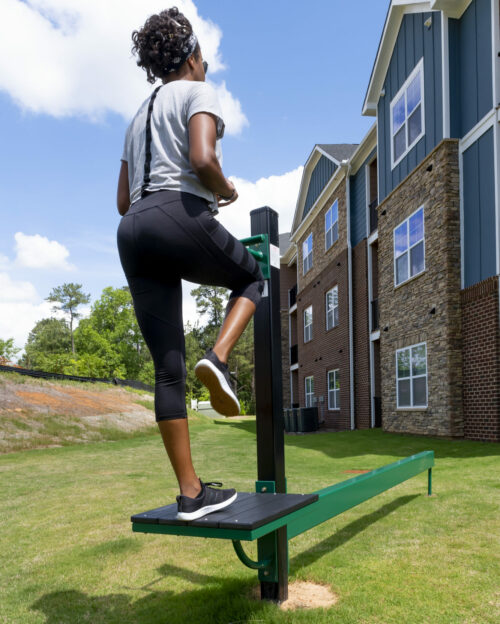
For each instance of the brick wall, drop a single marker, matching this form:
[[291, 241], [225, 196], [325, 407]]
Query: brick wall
[[327, 350], [405, 310], [321, 258], [481, 360]]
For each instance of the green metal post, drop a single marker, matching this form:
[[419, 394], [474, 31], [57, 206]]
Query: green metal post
[[429, 482]]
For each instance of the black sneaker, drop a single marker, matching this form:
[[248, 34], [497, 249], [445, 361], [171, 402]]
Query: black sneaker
[[214, 375], [207, 501]]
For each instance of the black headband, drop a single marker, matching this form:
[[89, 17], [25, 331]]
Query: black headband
[[185, 52]]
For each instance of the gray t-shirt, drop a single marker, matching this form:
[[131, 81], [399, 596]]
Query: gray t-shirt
[[173, 107]]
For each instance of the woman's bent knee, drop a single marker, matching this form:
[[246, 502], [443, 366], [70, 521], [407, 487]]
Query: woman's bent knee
[[252, 291]]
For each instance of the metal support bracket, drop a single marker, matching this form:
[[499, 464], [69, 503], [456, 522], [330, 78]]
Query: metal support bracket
[[264, 564]]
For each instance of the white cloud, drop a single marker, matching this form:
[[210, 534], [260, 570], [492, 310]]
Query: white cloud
[[278, 192], [75, 57], [4, 262], [15, 291], [38, 252]]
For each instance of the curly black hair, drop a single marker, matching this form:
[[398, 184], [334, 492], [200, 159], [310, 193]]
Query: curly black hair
[[160, 40]]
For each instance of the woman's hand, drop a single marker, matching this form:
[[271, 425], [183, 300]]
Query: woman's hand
[[225, 201]]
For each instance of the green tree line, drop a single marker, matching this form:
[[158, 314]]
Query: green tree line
[[108, 343]]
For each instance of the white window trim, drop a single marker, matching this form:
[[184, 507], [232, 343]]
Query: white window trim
[[410, 277], [326, 307], [309, 325], [332, 409], [418, 67], [333, 223], [310, 254], [411, 377], [311, 394]]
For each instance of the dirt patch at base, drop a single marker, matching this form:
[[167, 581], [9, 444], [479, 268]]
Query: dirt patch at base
[[305, 595]]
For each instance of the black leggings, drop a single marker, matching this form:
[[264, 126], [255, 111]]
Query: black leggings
[[166, 236]]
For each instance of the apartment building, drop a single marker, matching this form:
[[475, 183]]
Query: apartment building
[[390, 274]]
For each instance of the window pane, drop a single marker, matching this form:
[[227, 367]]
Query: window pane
[[414, 125], [404, 363], [312, 385], [335, 211], [329, 300], [331, 381], [335, 232], [400, 239], [336, 316], [398, 114], [335, 292], [418, 359], [404, 393], [328, 219], [402, 268], [417, 258], [419, 391], [310, 242], [329, 239], [413, 94], [399, 143], [416, 223], [337, 380]]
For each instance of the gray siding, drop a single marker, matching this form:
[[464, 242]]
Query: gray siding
[[319, 177], [414, 41], [358, 202], [471, 86], [479, 210]]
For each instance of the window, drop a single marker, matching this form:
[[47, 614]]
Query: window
[[307, 253], [309, 391], [407, 114], [332, 224], [333, 389], [332, 308], [411, 376], [308, 323], [409, 247]]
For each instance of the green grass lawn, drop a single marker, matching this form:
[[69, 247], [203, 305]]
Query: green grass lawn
[[69, 555]]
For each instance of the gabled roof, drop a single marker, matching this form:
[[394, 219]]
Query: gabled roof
[[338, 151], [393, 19]]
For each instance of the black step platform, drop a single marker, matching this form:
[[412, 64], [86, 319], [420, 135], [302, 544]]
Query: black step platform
[[250, 511]]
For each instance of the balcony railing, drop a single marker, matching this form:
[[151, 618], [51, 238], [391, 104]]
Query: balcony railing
[[294, 355], [292, 296], [373, 215], [375, 314]]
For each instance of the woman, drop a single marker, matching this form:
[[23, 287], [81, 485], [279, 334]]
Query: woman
[[170, 185]]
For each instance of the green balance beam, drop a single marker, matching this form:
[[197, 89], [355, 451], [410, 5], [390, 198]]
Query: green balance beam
[[316, 508]]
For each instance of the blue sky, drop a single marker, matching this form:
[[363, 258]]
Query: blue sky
[[299, 72]]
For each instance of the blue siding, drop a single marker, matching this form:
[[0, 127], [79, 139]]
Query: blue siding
[[358, 202], [479, 210], [471, 86], [319, 177], [414, 41]]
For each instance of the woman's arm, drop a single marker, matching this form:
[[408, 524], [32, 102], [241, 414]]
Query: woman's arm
[[123, 192], [202, 157]]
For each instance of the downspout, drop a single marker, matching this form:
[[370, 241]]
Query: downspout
[[346, 163]]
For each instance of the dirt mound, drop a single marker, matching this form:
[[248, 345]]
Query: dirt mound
[[40, 412]]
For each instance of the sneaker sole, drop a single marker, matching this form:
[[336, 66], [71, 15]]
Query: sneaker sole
[[222, 398], [203, 511]]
